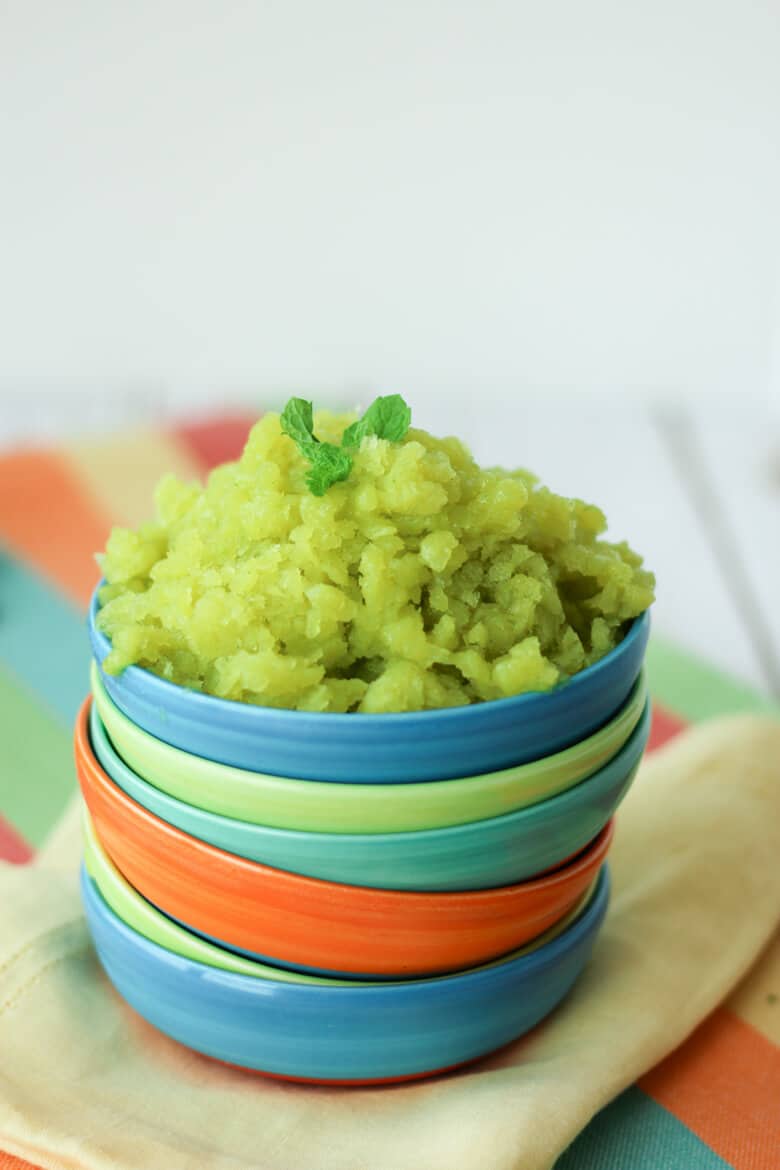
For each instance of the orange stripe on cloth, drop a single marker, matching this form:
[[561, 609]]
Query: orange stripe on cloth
[[50, 521], [9, 1162], [724, 1085]]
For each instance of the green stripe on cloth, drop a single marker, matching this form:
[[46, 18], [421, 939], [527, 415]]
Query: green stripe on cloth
[[633, 1133], [38, 775], [691, 688], [43, 639]]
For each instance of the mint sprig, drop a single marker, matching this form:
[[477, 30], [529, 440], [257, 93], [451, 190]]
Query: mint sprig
[[298, 422], [388, 417], [329, 465]]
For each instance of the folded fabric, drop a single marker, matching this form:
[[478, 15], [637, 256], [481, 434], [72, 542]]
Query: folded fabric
[[696, 894]]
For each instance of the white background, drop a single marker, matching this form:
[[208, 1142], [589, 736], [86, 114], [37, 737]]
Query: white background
[[542, 222], [494, 198]]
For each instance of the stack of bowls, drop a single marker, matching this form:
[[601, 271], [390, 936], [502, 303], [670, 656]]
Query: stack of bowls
[[351, 898]]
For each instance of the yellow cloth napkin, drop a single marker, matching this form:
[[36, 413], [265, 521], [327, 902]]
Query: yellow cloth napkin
[[85, 1083]]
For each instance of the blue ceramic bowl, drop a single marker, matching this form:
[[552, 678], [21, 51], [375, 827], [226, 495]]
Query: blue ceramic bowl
[[381, 749], [496, 852], [350, 1034]]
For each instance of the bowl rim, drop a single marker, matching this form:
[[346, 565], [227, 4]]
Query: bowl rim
[[94, 852], [385, 900], [230, 709], [405, 789], [589, 920], [453, 832]]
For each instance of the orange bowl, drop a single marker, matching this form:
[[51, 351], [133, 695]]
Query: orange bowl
[[310, 923]]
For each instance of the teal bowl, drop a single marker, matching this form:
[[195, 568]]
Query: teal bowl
[[500, 851]]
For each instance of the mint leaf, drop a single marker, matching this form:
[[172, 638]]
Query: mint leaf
[[329, 465], [388, 417], [297, 421]]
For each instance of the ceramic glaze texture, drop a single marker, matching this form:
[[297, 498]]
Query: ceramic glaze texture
[[320, 807], [386, 1032], [315, 923], [141, 916], [496, 852]]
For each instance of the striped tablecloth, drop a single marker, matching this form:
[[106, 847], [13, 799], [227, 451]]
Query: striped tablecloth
[[714, 1103]]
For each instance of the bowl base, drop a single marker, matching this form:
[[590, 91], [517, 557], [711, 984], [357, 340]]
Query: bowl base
[[337, 1082]]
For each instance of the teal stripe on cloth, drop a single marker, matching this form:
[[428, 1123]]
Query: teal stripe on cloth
[[634, 1133], [43, 639]]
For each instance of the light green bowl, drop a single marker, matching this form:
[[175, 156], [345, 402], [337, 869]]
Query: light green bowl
[[281, 802], [141, 916]]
